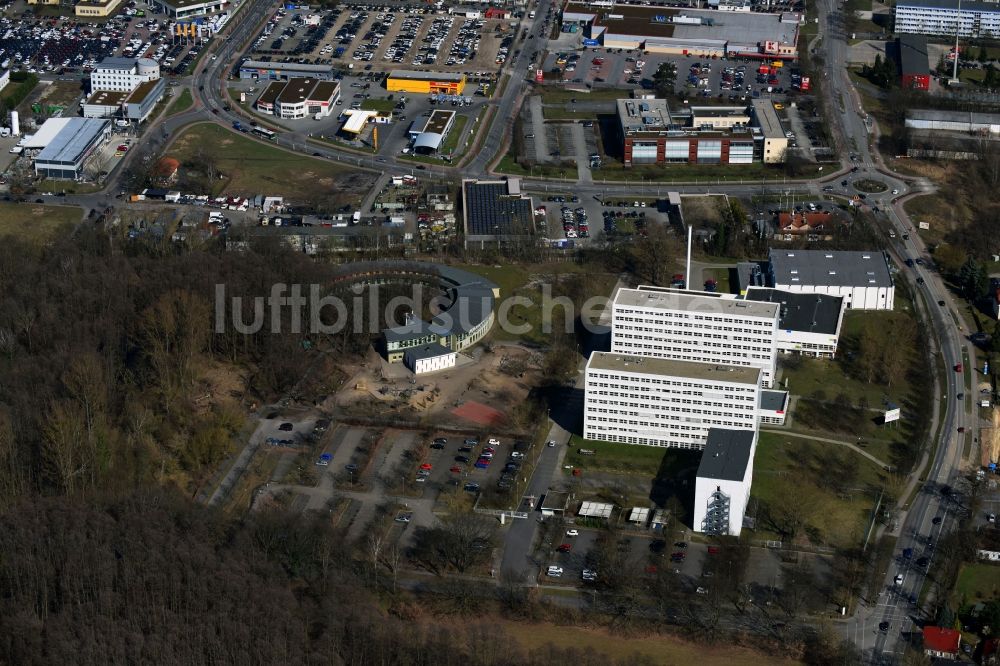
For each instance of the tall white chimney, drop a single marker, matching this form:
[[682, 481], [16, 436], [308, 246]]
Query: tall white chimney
[[687, 278]]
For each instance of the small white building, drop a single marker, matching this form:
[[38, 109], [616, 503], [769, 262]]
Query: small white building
[[722, 486], [862, 279], [429, 358], [773, 407], [663, 402]]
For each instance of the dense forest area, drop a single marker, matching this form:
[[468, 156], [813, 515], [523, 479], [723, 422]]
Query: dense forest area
[[103, 349], [153, 578]]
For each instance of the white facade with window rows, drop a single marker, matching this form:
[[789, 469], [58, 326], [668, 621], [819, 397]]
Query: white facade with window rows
[[660, 402], [680, 325]]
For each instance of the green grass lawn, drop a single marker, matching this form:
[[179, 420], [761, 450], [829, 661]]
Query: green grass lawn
[[609, 457], [67, 186], [508, 165], [747, 173], [561, 96], [508, 278], [451, 142], [380, 104], [829, 376], [559, 113], [513, 281], [182, 103], [721, 276], [625, 225], [36, 222], [978, 582], [827, 491], [253, 167]]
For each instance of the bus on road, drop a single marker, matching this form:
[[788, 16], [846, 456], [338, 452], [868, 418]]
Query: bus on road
[[264, 133]]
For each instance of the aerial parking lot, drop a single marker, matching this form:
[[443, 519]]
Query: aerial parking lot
[[71, 45], [381, 38]]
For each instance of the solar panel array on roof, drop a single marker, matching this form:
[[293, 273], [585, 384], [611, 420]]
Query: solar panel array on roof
[[491, 211]]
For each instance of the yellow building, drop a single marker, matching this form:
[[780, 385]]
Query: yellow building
[[44, 2], [402, 80], [98, 8]]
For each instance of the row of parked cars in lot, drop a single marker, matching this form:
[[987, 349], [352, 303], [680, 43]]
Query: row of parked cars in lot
[[575, 222]]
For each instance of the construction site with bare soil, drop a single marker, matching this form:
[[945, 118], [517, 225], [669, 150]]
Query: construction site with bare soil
[[488, 388]]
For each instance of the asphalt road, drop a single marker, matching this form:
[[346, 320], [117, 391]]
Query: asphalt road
[[893, 603]]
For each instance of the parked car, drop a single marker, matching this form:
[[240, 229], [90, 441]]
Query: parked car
[[554, 571], [324, 460], [285, 427]]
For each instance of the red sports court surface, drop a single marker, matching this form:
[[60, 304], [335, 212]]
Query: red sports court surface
[[479, 413]]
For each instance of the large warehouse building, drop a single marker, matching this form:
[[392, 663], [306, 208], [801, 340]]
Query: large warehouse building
[[943, 17], [404, 80], [970, 122], [690, 326], [69, 146], [722, 484], [664, 402], [862, 279], [650, 134], [698, 33], [497, 212]]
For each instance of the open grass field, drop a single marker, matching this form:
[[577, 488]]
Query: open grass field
[[36, 222], [703, 211], [251, 167], [183, 102], [666, 650], [978, 582], [832, 489], [60, 93], [820, 374]]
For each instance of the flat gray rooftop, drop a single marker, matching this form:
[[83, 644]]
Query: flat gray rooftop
[[829, 268], [773, 401], [726, 455], [808, 313], [693, 302], [72, 141], [432, 350], [650, 365]]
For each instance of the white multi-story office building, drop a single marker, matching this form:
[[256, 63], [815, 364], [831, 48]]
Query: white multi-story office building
[[123, 74], [722, 486], [942, 17], [703, 328], [664, 402]]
